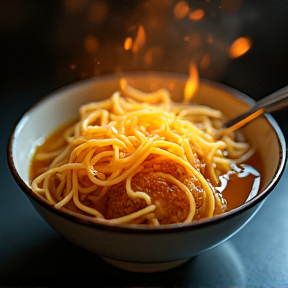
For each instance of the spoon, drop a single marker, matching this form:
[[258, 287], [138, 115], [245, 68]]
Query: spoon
[[274, 101]]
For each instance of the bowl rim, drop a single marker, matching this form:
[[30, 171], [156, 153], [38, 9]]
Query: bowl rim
[[136, 228]]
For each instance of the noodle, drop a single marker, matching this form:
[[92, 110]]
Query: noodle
[[138, 157]]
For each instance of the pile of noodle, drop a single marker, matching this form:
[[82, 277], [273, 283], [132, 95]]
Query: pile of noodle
[[113, 139]]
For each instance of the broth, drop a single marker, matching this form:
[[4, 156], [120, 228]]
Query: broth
[[235, 188]]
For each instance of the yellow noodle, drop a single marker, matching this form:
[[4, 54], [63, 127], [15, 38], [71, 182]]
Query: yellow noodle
[[82, 207], [48, 155], [60, 187], [136, 194], [152, 97], [188, 193], [113, 138], [209, 193], [210, 163]]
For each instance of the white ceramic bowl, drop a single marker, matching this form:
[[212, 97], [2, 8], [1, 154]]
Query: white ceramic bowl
[[139, 248]]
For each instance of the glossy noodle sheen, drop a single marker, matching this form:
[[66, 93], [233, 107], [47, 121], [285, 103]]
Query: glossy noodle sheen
[[138, 157]]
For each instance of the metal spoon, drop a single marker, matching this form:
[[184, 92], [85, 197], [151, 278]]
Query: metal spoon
[[275, 101]]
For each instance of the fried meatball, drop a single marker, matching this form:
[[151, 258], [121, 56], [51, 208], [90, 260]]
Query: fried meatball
[[172, 204]]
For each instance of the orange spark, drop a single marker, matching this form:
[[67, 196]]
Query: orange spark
[[192, 83], [140, 39], [196, 15], [128, 43], [181, 9], [239, 47]]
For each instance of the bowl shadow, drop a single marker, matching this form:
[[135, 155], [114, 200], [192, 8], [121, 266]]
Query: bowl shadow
[[54, 261]]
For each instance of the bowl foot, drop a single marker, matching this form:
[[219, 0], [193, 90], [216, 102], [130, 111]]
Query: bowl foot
[[145, 267]]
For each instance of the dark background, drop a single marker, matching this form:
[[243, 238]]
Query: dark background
[[43, 48]]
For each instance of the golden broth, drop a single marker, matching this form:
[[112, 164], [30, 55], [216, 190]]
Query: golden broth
[[53, 141], [236, 191]]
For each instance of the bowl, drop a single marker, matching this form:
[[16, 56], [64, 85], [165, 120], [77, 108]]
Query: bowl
[[134, 247]]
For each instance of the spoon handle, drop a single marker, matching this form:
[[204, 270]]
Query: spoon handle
[[275, 101]]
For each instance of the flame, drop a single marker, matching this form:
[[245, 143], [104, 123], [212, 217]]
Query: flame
[[128, 43], [140, 39], [181, 9], [196, 15], [192, 83], [123, 83], [239, 47], [91, 44]]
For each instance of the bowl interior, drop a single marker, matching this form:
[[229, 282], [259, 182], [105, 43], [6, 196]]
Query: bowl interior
[[61, 106]]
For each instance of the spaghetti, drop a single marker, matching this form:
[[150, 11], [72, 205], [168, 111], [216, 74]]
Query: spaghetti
[[138, 157]]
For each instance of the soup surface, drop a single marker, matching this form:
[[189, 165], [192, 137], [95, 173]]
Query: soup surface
[[236, 188], [138, 157]]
